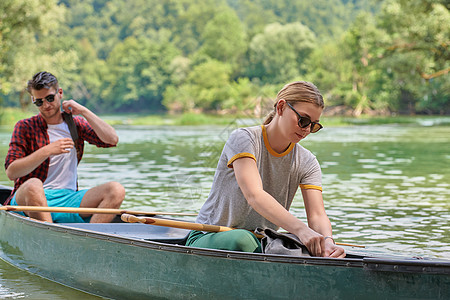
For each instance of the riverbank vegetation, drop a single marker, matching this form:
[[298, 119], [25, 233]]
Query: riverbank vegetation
[[222, 57], [9, 117]]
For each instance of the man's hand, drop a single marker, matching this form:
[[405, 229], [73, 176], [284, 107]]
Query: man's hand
[[104, 131], [73, 107], [60, 146]]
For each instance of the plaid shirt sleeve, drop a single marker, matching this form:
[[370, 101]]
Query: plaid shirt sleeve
[[17, 145], [28, 136]]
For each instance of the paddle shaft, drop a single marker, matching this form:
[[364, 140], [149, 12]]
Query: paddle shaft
[[351, 245], [172, 223], [86, 210], [188, 225]]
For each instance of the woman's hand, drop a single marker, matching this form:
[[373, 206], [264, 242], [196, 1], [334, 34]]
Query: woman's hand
[[314, 242], [331, 250], [317, 245]]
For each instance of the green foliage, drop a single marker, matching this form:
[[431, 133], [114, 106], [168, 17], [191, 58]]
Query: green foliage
[[277, 55], [227, 55], [24, 27], [10, 116], [205, 88], [417, 46], [224, 38], [139, 73], [382, 62]]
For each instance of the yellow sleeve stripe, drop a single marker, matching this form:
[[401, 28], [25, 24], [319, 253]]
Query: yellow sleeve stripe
[[239, 155], [310, 187]]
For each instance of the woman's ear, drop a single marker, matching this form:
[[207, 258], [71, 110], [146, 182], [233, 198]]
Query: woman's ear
[[280, 106]]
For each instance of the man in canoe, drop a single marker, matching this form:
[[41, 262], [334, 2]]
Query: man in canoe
[[45, 150], [259, 172]]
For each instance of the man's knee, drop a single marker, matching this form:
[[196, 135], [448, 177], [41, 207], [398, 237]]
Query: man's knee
[[32, 187], [116, 192], [31, 192]]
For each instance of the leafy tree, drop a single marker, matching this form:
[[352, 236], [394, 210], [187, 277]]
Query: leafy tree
[[206, 88], [139, 73], [128, 55], [417, 51], [278, 54], [224, 38], [25, 26]]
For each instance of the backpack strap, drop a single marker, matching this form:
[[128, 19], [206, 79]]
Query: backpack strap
[[72, 127]]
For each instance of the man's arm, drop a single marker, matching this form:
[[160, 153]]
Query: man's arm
[[105, 132], [25, 165]]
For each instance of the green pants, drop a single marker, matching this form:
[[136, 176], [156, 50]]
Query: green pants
[[235, 240]]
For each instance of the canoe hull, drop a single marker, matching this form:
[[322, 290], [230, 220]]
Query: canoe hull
[[128, 268]]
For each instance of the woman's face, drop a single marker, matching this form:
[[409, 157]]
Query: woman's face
[[290, 120]]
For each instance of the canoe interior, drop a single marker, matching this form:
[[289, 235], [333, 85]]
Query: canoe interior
[[5, 191], [137, 231]]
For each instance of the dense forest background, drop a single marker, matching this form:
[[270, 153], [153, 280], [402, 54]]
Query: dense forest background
[[228, 56]]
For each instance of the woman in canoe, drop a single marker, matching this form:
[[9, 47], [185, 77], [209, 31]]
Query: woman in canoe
[[259, 172]]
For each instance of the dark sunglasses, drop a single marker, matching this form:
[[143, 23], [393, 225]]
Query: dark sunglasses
[[39, 101], [304, 122]]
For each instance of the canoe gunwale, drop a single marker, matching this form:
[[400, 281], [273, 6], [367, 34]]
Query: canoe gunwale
[[407, 266], [372, 264]]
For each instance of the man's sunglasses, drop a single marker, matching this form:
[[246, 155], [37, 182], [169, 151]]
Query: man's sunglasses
[[40, 101], [304, 122]]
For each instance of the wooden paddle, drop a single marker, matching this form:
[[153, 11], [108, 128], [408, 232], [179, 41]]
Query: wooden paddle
[[85, 210], [189, 225], [172, 223]]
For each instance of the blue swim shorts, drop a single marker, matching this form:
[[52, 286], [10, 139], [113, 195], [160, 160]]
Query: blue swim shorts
[[62, 198]]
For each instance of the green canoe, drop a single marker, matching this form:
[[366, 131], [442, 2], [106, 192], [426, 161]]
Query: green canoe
[[138, 261]]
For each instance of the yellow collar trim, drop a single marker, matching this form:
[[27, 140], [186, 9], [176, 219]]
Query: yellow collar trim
[[271, 151]]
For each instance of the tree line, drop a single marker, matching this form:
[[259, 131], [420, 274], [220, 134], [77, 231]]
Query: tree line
[[365, 56]]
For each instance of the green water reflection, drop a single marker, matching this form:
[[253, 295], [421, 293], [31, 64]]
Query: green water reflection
[[386, 187]]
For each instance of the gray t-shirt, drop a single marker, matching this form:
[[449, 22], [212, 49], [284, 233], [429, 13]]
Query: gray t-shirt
[[281, 175]]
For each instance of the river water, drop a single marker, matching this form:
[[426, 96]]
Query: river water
[[386, 187]]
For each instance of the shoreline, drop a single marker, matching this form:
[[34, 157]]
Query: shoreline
[[10, 116]]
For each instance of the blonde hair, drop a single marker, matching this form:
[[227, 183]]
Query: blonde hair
[[298, 91]]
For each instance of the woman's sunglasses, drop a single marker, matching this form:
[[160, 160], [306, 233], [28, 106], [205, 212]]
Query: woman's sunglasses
[[39, 101], [304, 122]]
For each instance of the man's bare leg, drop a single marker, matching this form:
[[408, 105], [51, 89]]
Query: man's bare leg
[[31, 193], [107, 195]]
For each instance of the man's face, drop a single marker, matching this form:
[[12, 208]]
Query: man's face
[[48, 102]]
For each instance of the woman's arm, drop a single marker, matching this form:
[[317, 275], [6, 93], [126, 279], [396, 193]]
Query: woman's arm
[[319, 221], [249, 181]]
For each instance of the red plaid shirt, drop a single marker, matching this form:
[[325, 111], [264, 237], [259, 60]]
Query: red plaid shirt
[[31, 134]]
